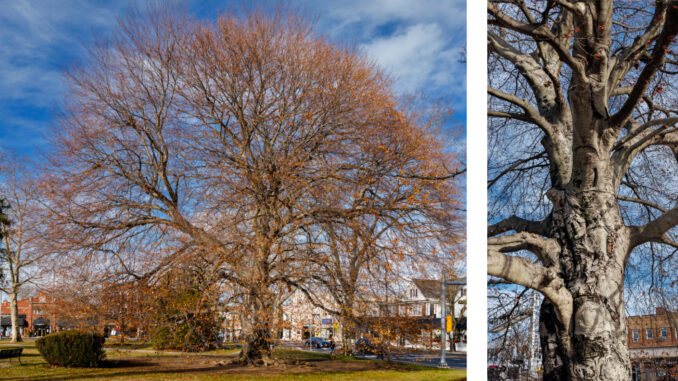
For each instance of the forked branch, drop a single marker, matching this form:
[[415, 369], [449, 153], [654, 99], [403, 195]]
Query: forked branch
[[655, 230], [546, 249], [523, 272]]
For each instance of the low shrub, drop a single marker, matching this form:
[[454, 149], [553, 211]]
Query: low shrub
[[162, 338], [72, 349], [191, 335]]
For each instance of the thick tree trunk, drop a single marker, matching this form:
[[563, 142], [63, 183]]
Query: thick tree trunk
[[592, 345], [348, 324], [14, 310], [256, 349], [594, 241], [257, 327], [598, 348]]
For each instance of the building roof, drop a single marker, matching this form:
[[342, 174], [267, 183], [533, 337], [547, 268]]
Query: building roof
[[430, 288], [660, 315]]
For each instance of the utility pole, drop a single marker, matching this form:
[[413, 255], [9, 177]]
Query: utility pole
[[443, 325], [443, 318], [533, 338]]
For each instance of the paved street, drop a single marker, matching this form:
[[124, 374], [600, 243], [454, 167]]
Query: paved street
[[454, 359]]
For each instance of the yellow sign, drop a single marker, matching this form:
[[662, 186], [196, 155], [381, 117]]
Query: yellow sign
[[448, 322]]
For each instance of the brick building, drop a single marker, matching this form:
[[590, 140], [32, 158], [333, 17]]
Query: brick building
[[34, 316], [653, 345]]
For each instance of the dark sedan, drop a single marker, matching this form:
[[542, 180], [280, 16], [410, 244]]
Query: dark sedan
[[317, 342]]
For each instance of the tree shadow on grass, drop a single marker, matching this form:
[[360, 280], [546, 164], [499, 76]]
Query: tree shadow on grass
[[132, 368], [127, 374]]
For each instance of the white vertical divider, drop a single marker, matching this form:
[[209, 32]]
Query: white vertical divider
[[476, 133]]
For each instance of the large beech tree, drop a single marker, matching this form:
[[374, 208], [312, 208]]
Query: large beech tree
[[584, 93], [230, 140]]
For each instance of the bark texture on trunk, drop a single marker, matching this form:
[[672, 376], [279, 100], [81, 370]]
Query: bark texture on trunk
[[14, 311], [257, 328], [256, 349], [594, 242], [591, 345], [554, 359]]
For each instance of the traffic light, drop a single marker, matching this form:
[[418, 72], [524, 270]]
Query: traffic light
[[448, 323]]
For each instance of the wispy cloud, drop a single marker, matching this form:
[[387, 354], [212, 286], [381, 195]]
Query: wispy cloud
[[420, 57], [418, 42], [39, 38]]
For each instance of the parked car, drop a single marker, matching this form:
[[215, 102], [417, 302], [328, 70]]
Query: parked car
[[364, 346], [317, 342]]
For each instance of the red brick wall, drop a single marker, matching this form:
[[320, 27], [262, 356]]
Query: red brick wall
[[32, 308], [655, 323]]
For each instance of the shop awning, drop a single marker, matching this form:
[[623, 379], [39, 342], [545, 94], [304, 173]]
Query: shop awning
[[41, 322], [6, 321]]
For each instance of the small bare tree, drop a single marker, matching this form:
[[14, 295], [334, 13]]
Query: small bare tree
[[20, 231]]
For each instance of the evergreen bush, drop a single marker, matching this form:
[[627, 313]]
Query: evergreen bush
[[72, 349]]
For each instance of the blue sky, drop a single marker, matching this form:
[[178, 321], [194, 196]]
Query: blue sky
[[418, 42]]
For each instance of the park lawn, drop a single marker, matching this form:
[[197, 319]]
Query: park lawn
[[115, 344], [136, 365]]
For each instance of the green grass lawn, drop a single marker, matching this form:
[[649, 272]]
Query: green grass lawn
[[35, 369], [127, 345]]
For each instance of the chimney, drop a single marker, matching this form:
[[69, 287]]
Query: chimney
[[661, 311]]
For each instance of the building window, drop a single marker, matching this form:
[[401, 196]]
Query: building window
[[648, 334], [636, 335], [432, 309], [664, 333]]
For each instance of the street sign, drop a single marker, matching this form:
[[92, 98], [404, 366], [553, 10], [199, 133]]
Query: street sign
[[327, 321], [448, 322]]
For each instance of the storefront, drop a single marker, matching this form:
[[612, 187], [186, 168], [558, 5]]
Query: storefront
[[6, 325], [41, 327], [327, 328]]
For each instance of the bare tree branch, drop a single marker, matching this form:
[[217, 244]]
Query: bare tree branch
[[517, 224], [546, 249], [522, 271], [659, 51], [539, 32], [655, 230]]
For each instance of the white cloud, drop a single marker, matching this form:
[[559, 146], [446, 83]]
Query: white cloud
[[418, 42], [36, 36], [413, 56], [449, 14]]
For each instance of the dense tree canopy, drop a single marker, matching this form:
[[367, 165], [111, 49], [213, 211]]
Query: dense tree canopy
[[236, 143]]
